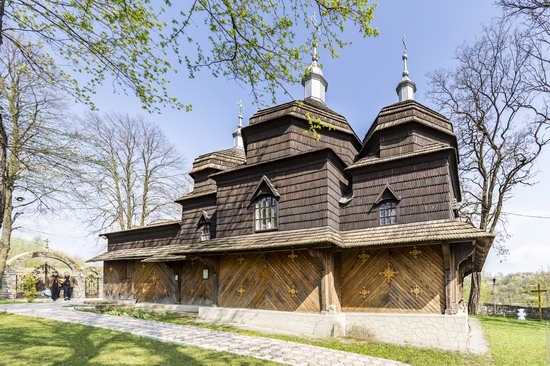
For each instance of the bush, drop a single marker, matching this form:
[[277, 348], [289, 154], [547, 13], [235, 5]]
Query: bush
[[29, 288]]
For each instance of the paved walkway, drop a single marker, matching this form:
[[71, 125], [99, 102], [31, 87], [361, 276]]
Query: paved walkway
[[263, 348]]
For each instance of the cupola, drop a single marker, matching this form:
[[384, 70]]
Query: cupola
[[406, 87]]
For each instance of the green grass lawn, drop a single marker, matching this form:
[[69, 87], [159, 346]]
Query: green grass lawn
[[32, 341], [12, 301], [516, 342]]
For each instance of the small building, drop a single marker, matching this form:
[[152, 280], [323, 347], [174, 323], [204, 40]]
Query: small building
[[324, 237]]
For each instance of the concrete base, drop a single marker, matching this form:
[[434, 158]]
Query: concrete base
[[447, 332]]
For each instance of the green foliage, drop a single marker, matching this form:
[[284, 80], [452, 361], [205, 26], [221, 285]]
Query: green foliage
[[140, 45], [32, 341], [29, 288], [513, 288], [316, 124]]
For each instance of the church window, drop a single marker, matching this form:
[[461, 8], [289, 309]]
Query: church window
[[388, 213], [205, 232], [265, 213]]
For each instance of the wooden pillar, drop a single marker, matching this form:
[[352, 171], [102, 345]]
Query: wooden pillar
[[448, 264], [329, 300]]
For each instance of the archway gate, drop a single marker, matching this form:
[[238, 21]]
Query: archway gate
[[10, 278]]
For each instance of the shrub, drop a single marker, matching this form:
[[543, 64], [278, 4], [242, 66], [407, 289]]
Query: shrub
[[29, 288]]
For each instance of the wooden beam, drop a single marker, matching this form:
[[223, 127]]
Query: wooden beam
[[330, 302], [447, 264]]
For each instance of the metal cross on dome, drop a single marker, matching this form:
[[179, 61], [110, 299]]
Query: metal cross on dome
[[404, 40], [241, 109]]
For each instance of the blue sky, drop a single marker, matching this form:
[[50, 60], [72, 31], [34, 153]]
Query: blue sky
[[361, 82]]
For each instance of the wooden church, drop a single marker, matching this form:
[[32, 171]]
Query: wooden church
[[286, 222]]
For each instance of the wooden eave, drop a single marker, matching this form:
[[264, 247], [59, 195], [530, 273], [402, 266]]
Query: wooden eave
[[152, 227], [192, 195]]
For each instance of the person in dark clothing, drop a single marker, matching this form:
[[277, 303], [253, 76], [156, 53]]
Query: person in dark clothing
[[54, 288], [66, 286]]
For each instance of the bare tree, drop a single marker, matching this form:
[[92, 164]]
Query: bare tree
[[131, 172], [39, 157], [501, 123], [534, 18]]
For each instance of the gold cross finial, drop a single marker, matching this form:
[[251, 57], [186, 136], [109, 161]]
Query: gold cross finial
[[363, 256], [364, 292], [292, 256], [241, 291], [292, 291], [415, 252], [241, 259], [388, 273], [416, 291]]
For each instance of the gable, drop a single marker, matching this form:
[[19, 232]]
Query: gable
[[204, 219], [386, 194], [264, 188]]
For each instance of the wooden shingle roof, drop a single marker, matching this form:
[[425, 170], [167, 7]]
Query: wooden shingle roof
[[418, 233], [374, 160]]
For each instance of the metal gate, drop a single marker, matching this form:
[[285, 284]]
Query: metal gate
[[91, 285]]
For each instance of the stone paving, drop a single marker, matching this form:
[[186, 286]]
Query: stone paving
[[262, 348]]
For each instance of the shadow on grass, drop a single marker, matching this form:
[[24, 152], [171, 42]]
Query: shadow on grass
[[33, 341]]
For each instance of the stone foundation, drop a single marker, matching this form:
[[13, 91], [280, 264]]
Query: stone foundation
[[447, 332]]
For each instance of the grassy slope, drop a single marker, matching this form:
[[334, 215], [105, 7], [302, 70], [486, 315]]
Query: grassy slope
[[515, 342], [32, 341]]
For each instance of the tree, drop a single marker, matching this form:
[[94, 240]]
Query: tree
[[130, 172], [501, 123], [534, 16], [140, 45], [39, 157]]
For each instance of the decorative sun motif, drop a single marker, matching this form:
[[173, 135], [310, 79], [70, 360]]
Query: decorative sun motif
[[292, 291], [364, 292], [415, 252], [292, 256], [363, 256], [241, 291], [388, 273], [416, 291]]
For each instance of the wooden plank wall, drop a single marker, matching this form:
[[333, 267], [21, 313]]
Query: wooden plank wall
[[155, 282], [117, 280], [194, 289], [423, 185], [191, 212], [301, 182], [287, 137], [150, 237], [271, 281], [360, 272]]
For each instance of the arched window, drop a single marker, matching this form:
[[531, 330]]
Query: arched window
[[265, 213], [388, 212]]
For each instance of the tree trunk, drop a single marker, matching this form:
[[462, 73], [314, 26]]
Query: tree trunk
[[473, 301], [5, 238]]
